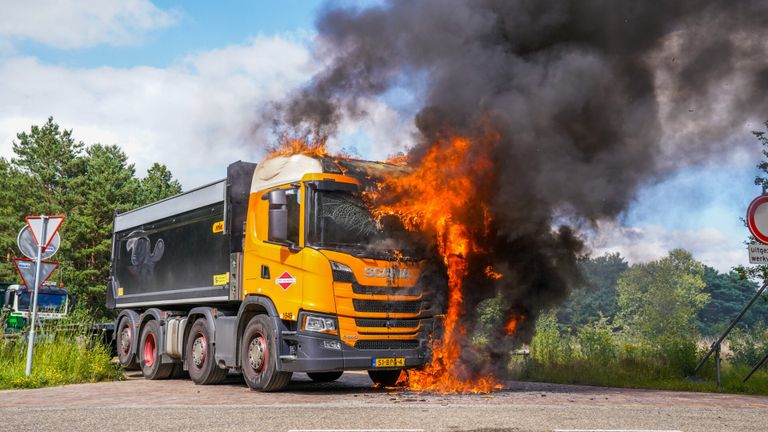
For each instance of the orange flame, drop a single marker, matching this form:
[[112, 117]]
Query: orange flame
[[513, 323], [398, 159], [491, 274], [289, 145], [439, 196]]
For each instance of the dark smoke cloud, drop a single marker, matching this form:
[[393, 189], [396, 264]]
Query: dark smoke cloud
[[592, 99]]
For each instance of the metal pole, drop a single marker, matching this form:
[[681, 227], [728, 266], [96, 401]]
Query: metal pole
[[754, 369], [31, 342], [716, 345], [717, 365]]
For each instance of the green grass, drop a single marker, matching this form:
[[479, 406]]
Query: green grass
[[62, 358], [645, 375]]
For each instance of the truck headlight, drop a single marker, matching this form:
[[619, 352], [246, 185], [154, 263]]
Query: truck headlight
[[342, 272], [319, 324]]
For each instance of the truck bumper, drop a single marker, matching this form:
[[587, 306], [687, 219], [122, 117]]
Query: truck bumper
[[313, 356]]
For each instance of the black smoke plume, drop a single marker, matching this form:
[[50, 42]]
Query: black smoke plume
[[591, 100]]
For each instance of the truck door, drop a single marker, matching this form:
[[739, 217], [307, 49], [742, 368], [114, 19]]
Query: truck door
[[272, 269]]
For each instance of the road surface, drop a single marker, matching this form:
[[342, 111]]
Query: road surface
[[351, 404]]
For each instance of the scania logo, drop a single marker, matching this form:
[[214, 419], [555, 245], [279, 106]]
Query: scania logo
[[381, 272]]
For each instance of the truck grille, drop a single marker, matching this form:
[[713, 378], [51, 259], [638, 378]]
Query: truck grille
[[386, 344], [386, 306], [382, 290], [393, 323]]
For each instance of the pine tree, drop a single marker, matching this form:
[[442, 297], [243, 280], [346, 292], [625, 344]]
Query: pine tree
[[50, 174]]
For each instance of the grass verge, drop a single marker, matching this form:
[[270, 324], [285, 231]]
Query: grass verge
[[585, 372], [60, 357]]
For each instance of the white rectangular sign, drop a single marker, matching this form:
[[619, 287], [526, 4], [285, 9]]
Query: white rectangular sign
[[758, 254]]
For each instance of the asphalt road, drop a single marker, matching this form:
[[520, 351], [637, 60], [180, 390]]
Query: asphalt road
[[351, 404]]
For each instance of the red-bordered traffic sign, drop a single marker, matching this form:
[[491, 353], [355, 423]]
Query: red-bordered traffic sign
[[36, 226], [757, 218], [26, 268]]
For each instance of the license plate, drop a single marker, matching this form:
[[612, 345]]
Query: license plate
[[388, 362]]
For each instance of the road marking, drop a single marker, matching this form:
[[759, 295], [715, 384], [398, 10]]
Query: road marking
[[615, 430], [356, 430]]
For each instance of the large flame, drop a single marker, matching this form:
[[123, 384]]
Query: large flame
[[440, 196]]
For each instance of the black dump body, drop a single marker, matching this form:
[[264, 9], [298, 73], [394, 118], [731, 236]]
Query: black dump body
[[182, 251]]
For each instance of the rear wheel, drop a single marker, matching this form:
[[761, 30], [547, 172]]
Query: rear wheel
[[324, 376], [151, 367], [199, 354], [123, 341], [384, 378], [258, 357]]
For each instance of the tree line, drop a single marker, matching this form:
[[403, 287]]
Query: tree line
[[52, 173], [710, 299]]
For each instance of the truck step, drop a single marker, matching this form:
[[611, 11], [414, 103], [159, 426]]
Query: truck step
[[287, 358], [289, 335]]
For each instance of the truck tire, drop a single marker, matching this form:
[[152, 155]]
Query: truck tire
[[322, 377], [149, 347], [384, 378], [258, 357], [200, 358], [123, 341]]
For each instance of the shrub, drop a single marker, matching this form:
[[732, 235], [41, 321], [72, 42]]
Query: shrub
[[748, 348], [679, 355], [596, 342], [549, 346]]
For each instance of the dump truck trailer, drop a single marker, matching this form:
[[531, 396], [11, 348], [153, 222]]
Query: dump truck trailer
[[270, 271]]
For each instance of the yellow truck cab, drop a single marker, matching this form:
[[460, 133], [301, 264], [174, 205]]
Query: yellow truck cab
[[271, 271]]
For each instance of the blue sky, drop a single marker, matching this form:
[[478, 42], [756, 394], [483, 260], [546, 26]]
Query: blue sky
[[181, 83], [199, 26]]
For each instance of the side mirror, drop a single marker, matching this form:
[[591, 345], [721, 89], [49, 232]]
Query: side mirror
[[278, 216]]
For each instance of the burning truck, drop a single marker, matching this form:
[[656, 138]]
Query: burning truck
[[278, 268]]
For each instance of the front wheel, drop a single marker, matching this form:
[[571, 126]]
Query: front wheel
[[324, 376], [258, 357], [384, 378]]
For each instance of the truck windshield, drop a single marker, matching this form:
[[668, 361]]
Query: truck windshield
[[46, 302], [339, 219]]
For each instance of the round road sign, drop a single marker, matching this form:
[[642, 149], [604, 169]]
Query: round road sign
[[757, 218], [28, 244]]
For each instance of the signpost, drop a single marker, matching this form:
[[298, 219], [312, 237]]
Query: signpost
[[757, 222], [43, 230]]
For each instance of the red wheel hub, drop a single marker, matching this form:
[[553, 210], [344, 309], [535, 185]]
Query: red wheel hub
[[150, 350]]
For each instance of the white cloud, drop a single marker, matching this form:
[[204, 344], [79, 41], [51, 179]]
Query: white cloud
[[196, 116], [708, 245], [81, 23]]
